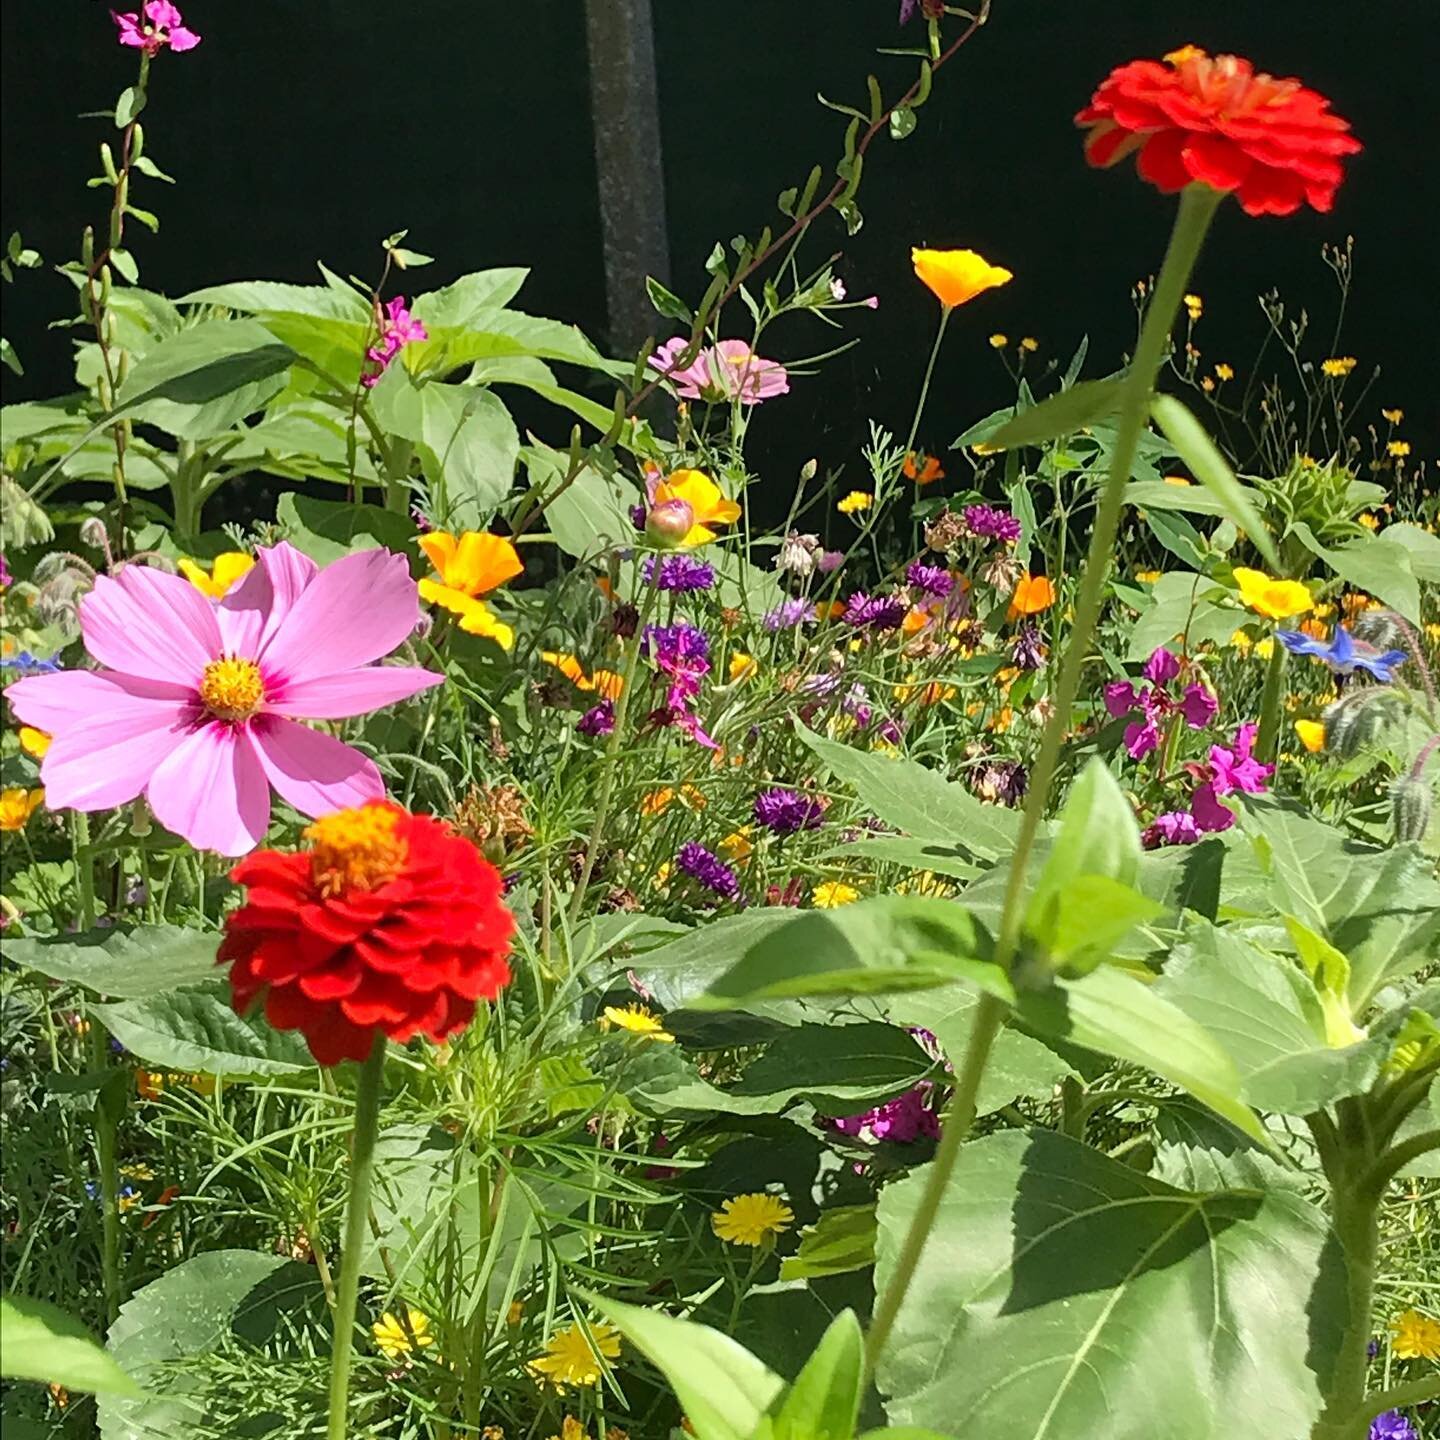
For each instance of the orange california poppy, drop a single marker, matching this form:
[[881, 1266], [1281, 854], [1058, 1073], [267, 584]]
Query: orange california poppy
[[922, 469], [1033, 594]]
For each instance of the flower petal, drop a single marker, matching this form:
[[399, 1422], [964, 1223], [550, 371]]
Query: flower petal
[[212, 790], [252, 611], [147, 623], [352, 692], [69, 699], [315, 772]]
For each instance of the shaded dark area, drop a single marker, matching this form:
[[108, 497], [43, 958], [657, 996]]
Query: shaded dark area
[[302, 132]]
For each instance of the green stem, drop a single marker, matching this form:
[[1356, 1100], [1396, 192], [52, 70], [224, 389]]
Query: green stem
[[925, 383], [357, 1218], [1268, 739], [107, 1157], [1197, 207], [1397, 1397], [1356, 1224]]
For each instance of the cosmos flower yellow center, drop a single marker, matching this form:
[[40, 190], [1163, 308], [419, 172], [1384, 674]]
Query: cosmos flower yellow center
[[232, 689], [355, 849]]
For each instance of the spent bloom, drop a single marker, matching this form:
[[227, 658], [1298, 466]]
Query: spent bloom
[[786, 811], [396, 327], [729, 370], [1344, 654], [198, 704], [798, 554], [751, 1219], [956, 276], [158, 25], [388, 924], [1191, 118]]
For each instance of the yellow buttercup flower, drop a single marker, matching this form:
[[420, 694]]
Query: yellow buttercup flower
[[17, 806], [1338, 365], [638, 1021], [751, 1219], [956, 276], [1224, 372], [737, 845], [1312, 734], [1393, 416], [33, 742], [832, 894], [1277, 599], [1369, 521], [1030, 343], [1399, 449], [573, 1355], [1414, 1336], [999, 341], [391, 1339], [708, 504], [225, 570], [470, 566], [742, 666], [1194, 306], [1147, 577], [855, 501]]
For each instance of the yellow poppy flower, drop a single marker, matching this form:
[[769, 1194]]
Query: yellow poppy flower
[[833, 893], [956, 276], [751, 1219], [570, 1356], [1398, 448], [638, 1021], [1312, 734], [1277, 599], [33, 742], [1393, 416], [470, 566], [17, 806], [1224, 372], [222, 574], [707, 503], [391, 1339]]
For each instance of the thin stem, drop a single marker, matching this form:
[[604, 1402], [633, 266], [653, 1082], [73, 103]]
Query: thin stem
[[1374, 1180], [1268, 739], [945, 311], [357, 1218], [1397, 1397]]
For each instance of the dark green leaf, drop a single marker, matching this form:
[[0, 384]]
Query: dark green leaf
[[129, 963]]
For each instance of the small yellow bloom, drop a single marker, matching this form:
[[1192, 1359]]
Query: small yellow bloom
[[17, 806], [1194, 306], [223, 573], [737, 845], [34, 742], [1207, 384], [1030, 343], [981, 448], [493, 1432], [1176, 480], [390, 1337], [656, 802], [707, 502], [1338, 365], [638, 1021], [1398, 448], [1369, 521], [1393, 416], [1177, 58], [572, 1429], [573, 1355], [1277, 599], [751, 1219], [516, 1313], [1224, 372], [1414, 1336], [742, 666], [855, 501], [956, 276], [932, 693], [1312, 735], [999, 341], [1265, 648], [1147, 577], [833, 893]]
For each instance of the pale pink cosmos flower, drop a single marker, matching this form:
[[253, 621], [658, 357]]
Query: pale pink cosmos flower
[[727, 371], [161, 26], [197, 703]]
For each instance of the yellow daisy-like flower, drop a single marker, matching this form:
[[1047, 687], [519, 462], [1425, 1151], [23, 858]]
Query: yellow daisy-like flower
[[1312, 735], [639, 1021], [1369, 521], [1338, 365], [1414, 1336], [1393, 416], [33, 742], [751, 1219], [855, 501], [999, 341], [737, 845], [1030, 343], [954, 277], [1194, 306], [1224, 372], [742, 666], [832, 894], [573, 1356], [470, 566], [224, 571], [708, 504], [17, 806], [1277, 599], [1240, 641], [391, 1339], [572, 1429], [1398, 448], [1147, 577]]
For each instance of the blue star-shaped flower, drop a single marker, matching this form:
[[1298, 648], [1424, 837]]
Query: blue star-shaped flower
[[1344, 654], [27, 664]]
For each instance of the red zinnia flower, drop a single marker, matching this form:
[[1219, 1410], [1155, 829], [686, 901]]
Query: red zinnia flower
[[1272, 142], [389, 923]]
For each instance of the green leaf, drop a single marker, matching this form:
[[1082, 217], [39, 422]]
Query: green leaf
[[824, 1402], [479, 293], [666, 302], [841, 1240], [39, 1341], [902, 122], [1190, 499], [1208, 466], [1068, 1296], [327, 529], [1061, 414], [129, 963], [722, 1388], [535, 375], [1182, 608], [1097, 835], [917, 800], [1196, 1150], [592, 514], [197, 1030], [275, 297], [129, 106], [910, 854], [1378, 566]]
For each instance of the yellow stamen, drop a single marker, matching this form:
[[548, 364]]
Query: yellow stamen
[[355, 849], [232, 689]]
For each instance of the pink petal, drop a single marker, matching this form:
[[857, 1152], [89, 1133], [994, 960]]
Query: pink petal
[[212, 790], [352, 692], [251, 613], [182, 39], [316, 773], [69, 699], [147, 623], [353, 612]]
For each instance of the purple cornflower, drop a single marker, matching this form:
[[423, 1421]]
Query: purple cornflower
[[27, 664], [786, 811], [1028, 652], [934, 580], [597, 721], [675, 648], [788, 614], [1392, 1425], [875, 612], [681, 573], [985, 522], [708, 870]]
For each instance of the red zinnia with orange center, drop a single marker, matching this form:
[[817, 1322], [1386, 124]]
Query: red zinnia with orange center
[[1273, 143], [389, 924]]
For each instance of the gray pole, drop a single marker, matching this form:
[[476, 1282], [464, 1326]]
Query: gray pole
[[625, 112]]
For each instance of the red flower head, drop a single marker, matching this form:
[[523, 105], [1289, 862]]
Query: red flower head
[[1274, 143], [390, 923]]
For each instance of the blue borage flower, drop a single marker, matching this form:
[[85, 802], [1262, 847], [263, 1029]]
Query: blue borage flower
[[27, 664], [1344, 654]]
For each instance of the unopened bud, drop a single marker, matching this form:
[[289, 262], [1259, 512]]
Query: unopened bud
[[1379, 628], [93, 533], [1355, 723], [668, 522], [1410, 807], [808, 470], [140, 825]]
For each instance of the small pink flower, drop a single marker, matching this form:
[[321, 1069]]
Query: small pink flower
[[197, 704], [1238, 769], [162, 25], [397, 328], [727, 371]]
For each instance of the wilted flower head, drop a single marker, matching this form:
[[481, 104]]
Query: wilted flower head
[[1028, 651], [798, 554]]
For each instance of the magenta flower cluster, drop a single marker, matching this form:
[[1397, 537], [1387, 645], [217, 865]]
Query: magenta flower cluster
[[903, 1120], [875, 612], [681, 653], [158, 26], [1196, 706], [1228, 771], [985, 522], [397, 327]]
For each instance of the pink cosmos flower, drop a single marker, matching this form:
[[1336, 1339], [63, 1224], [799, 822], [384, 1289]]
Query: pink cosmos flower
[[197, 702], [727, 371], [397, 327], [161, 26]]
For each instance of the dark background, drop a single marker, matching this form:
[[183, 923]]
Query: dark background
[[305, 131]]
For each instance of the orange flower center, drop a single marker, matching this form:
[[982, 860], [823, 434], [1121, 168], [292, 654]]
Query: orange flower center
[[232, 689], [355, 849]]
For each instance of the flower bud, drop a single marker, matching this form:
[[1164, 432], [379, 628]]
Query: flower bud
[[1410, 806], [668, 522], [808, 470], [94, 534], [1379, 628]]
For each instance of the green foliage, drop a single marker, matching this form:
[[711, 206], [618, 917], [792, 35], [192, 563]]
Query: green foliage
[[39, 1341]]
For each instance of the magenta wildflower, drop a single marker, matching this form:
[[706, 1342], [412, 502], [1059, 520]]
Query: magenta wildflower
[[786, 811], [598, 721], [1197, 706], [397, 328], [901, 1121], [727, 371], [1238, 769], [158, 25], [934, 580], [679, 573], [708, 870], [675, 648], [875, 612], [1175, 827], [985, 522]]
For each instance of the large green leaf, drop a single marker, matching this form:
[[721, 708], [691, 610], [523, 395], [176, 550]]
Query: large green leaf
[[840, 1241], [471, 296], [1064, 1295], [824, 1402], [327, 529], [1196, 1150], [39, 1341], [536, 375], [1372, 563], [591, 514], [1061, 414], [494, 331], [276, 297], [917, 800], [130, 963], [1182, 607], [197, 1030]]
